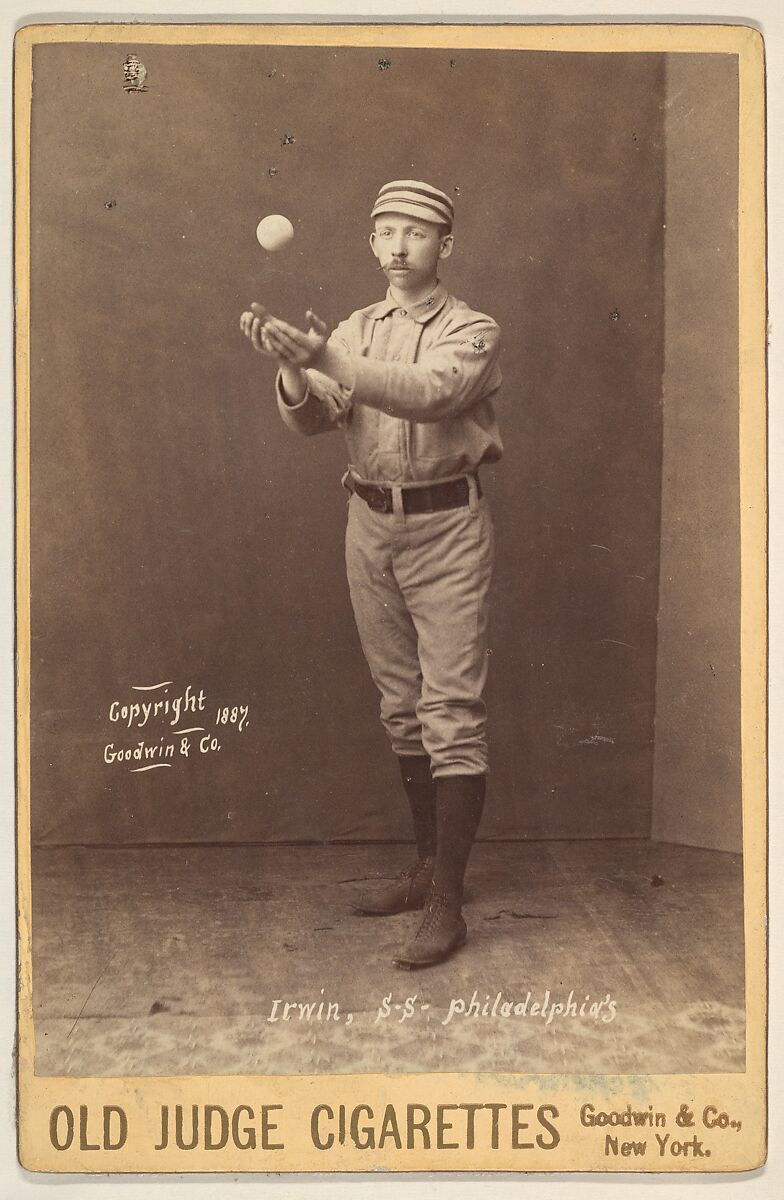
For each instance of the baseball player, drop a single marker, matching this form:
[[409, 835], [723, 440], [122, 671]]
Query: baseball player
[[411, 381]]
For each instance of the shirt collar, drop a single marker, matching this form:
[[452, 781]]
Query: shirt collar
[[421, 312]]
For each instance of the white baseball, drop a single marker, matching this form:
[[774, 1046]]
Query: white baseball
[[274, 232]]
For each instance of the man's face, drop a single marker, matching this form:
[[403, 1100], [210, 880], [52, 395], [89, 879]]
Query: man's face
[[409, 250]]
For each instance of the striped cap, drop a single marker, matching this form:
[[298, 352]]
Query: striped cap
[[415, 199]]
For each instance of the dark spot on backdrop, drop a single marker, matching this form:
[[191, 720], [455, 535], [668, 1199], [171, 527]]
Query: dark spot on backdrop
[[180, 532]]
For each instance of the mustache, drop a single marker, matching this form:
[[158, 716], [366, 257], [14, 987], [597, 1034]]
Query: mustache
[[394, 263]]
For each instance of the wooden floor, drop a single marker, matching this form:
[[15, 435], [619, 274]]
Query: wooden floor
[[159, 961]]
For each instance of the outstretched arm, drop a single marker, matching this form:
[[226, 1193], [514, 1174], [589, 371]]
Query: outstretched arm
[[253, 324], [308, 401], [460, 368]]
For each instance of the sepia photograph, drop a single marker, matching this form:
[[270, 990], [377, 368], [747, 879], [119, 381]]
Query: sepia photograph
[[415, 747]]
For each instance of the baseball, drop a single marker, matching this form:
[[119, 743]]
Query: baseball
[[274, 232]]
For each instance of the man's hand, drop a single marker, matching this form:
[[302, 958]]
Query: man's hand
[[255, 324], [292, 345], [252, 325], [295, 350]]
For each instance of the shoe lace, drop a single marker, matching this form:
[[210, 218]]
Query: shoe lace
[[422, 866], [433, 913]]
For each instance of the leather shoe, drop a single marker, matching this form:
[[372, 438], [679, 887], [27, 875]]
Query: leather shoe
[[408, 891], [442, 931]]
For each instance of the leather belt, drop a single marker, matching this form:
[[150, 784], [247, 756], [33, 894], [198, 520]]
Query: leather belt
[[419, 498]]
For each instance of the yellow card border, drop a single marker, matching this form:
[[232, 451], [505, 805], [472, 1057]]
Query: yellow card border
[[579, 1149]]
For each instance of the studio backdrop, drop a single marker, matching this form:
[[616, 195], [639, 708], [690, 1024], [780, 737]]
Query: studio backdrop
[[187, 549]]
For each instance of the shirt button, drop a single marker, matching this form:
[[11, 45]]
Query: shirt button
[[404, 312]]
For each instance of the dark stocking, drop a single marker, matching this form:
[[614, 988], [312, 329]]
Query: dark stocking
[[421, 792], [459, 803]]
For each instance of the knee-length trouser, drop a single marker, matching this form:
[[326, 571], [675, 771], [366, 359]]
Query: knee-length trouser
[[419, 585]]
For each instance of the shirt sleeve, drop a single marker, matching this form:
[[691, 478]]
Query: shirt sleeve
[[459, 369], [325, 405]]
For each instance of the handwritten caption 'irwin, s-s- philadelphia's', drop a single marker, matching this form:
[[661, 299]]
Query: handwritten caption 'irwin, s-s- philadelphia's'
[[154, 707]]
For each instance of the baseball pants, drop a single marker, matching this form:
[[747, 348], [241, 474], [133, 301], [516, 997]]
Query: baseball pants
[[419, 589]]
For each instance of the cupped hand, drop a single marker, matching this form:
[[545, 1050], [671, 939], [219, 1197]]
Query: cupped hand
[[300, 348], [252, 323]]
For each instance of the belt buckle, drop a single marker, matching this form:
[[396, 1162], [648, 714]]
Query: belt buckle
[[378, 499]]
